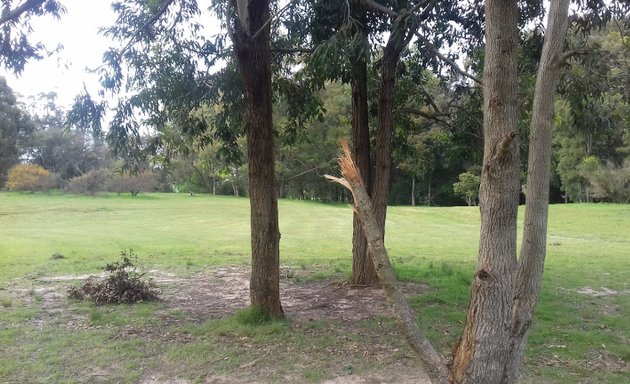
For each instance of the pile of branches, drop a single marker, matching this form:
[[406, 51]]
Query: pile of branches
[[123, 285]]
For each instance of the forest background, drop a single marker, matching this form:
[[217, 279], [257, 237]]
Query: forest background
[[438, 143]]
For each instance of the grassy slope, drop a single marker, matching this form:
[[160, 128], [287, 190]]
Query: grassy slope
[[588, 246]]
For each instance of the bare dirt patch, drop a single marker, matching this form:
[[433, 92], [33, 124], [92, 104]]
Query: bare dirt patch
[[604, 292], [220, 292]]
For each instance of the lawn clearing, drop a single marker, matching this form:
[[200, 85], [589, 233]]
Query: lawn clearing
[[197, 246]]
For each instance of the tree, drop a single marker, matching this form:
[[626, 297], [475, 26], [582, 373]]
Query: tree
[[481, 353], [65, 152], [363, 272], [249, 29], [423, 154], [170, 70], [610, 182], [504, 290], [593, 110], [528, 278], [468, 187], [15, 127], [302, 163], [16, 49], [406, 19]]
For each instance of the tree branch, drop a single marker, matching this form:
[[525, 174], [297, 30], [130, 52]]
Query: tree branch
[[419, 5], [19, 10], [381, 8], [373, 4], [426, 115], [429, 99], [445, 59], [562, 58], [163, 8], [432, 362], [280, 12], [290, 50]]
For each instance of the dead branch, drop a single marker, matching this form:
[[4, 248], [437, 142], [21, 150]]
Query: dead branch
[[431, 361], [254, 362]]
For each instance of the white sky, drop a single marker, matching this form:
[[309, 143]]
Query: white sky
[[65, 72]]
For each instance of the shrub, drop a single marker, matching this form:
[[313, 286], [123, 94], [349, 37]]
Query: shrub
[[146, 181], [123, 285], [89, 183], [468, 187], [610, 182], [29, 177]]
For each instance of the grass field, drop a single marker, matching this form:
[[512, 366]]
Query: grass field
[[581, 333]]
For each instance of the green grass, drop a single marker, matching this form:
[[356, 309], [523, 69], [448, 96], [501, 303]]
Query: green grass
[[588, 246]]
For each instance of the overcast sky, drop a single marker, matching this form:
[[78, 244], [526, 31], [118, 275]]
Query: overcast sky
[[83, 47]]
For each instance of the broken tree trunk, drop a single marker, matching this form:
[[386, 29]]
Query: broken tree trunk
[[432, 362]]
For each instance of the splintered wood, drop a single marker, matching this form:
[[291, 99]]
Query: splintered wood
[[431, 361]]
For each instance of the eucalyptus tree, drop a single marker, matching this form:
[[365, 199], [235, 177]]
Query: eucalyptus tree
[[15, 128], [341, 32], [349, 36], [174, 59], [16, 49], [16, 44], [504, 290], [248, 23], [593, 123]]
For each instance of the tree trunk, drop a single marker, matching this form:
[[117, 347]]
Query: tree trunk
[[413, 191], [534, 243], [250, 35], [398, 40], [483, 349], [214, 180], [362, 270]]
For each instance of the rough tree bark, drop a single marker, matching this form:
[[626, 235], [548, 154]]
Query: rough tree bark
[[250, 35], [533, 246], [362, 270], [482, 351]]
